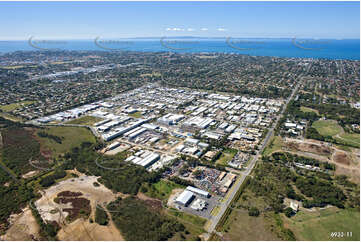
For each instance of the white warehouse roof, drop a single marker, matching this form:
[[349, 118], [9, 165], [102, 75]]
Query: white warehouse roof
[[198, 191], [185, 197]]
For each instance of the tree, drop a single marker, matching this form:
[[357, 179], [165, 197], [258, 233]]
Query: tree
[[101, 216], [253, 211], [288, 212]]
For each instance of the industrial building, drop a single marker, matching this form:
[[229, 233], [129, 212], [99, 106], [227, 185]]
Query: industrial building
[[199, 205], [185, 198], [171, 119], [198, 191], [144, 158]]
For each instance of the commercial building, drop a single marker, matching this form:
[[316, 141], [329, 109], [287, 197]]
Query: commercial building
[[171, 119], [185, 198], [199, 205], [198, 191]]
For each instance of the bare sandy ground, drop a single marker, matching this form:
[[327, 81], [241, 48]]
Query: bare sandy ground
[[175, 193], [347, 162], [83, 184], [30, 174], [80, 229], [24, 227], [83, 230]]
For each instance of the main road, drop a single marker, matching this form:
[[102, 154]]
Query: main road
[[224, 205]]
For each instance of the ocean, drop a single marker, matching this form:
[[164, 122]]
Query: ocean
[[345, 49]]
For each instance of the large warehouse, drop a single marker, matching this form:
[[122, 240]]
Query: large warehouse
[[185, 198], [198, 191]]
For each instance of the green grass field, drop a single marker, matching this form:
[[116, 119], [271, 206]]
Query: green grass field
[[71, 137], [161, 189], [240, 226], [136, 115], [226, 156], [13, 106], [327, 127], [351, 138], [198, 221], [274, 145], [308, 110], [85, 120], [193, 230], [319, 225]]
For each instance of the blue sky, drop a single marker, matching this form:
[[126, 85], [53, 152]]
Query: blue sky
[[86, 20]]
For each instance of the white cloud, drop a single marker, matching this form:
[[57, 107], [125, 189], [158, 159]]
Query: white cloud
[[222, 29], [204, 29], [190, 29], [174, 29]]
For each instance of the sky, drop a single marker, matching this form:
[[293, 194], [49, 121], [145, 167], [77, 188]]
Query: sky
[[87, 20]]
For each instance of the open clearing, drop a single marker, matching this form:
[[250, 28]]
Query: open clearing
[[327, 127], [24, 227], [241, 226], [275, 145], [319, 224], [226, 156], [70, 137], [85, 120], [136, 115], [79, 229], [352, 139], [161, 190], [13, 106], [309, 110]]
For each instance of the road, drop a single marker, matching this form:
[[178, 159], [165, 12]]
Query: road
[[223, 206]]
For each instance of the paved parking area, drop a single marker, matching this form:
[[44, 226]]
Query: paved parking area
[[212, 202]]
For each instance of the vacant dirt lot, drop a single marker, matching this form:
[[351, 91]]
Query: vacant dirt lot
[[342, 158], [79, 229], [347, 162], [24, 227], [308, 146]]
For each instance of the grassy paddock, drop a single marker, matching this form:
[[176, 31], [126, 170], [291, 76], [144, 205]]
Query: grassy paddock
[[351, 138], [85, 120], [327, 127], [13, 106], [319, 225], [71, 137], [276, 144], [309, 110], [188, 217], [161, 189], [227, 155]]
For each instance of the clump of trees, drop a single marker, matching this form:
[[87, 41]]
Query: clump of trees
[[101, 217], [137, 221], [254, 212], [57, 139], [47, 230], [181, 181], [50, 180], [125, 177]]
